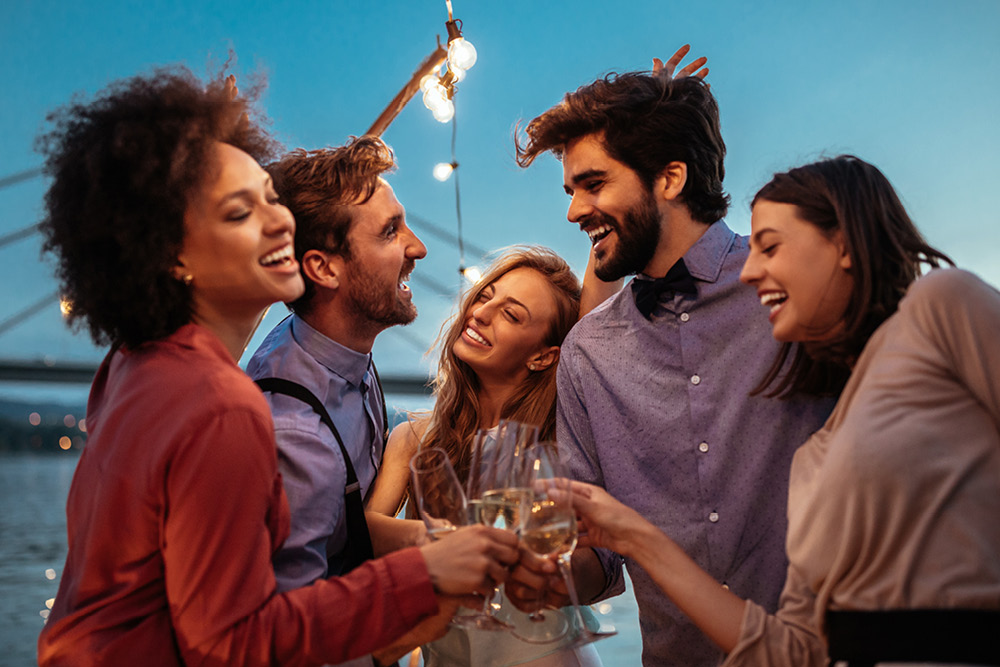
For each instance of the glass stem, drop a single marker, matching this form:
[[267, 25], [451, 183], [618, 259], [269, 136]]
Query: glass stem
[[564, 568], [488, 603], [537, 614]]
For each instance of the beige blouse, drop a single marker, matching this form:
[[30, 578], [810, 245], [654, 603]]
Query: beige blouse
[[895, 502]]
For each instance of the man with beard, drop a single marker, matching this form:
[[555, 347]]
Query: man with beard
[[356, 252], [654, 386]]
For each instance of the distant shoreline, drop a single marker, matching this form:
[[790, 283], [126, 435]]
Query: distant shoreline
[[39, 427]]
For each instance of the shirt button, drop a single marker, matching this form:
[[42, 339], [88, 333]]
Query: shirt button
[[713, 517], [695, 379], [703, 447], [685, 317]]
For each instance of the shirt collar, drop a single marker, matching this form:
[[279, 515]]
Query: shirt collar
[[343, 361], [707, 256]]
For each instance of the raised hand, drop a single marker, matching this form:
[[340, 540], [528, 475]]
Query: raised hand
[[666, 69], [233, 92]]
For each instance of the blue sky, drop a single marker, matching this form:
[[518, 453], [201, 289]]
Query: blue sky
[[911, 86]]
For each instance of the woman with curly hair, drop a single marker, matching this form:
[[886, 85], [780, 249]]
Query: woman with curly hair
[[498, 361], [171, 241], [893, 537]]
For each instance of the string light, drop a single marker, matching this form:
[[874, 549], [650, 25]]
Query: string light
[[472, 273], [442, 170], [439, 89]]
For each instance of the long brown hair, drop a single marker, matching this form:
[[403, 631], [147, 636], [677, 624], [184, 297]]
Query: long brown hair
[[849, 195], [455, 416]]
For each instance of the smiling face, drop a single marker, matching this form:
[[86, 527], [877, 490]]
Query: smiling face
[[238, 242], [800, 273], [506, 326], [612, 206], [383, 251]]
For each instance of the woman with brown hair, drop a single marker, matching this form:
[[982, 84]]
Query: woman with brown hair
[[171, 242]]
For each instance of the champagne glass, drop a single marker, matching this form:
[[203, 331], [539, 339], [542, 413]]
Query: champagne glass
[[495, 499], [440, 500], [549, 526], [443, 506]]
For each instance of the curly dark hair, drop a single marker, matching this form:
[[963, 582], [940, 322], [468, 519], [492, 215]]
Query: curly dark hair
[[319, 187], [887, 252], [123, 168], [645, 122]]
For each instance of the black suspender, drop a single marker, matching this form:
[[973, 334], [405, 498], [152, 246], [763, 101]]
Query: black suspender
[[359, 543]]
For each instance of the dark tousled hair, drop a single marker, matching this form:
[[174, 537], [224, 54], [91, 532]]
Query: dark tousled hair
[[124, 167], [887, 251], [320, 187], [644, 122]]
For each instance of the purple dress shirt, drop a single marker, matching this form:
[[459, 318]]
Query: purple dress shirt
[[658, 413]]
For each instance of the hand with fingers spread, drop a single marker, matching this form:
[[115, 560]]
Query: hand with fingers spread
[[471, 559], [666, 69]]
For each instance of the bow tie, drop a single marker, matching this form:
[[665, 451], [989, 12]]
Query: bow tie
[[647, 292]]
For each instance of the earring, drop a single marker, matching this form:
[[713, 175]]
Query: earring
[[531, 367], [187, 279]]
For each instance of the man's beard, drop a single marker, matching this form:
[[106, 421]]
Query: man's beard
[[376, 304], [638, 236]]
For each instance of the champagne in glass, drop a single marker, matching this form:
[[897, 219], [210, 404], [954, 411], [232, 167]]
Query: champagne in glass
[[495, 498], [443, 506], [549, 527]]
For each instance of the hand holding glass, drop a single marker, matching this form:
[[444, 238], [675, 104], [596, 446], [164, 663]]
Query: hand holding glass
[[549, 526]]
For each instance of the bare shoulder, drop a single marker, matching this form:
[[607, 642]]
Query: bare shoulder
[[408, 434]]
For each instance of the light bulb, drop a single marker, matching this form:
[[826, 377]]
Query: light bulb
[[461, 54], [472, 274], [442, 170], [457, 73], [445, 112], [428, 80], [436, 97]]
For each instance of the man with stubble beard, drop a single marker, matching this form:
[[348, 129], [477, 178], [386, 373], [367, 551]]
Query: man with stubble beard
[[356, 252], [654, 385]]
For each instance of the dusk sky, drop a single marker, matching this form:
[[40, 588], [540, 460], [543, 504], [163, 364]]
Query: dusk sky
[[912, 86]]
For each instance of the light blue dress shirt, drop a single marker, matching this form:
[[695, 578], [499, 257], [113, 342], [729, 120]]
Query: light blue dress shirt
[[309, 458]]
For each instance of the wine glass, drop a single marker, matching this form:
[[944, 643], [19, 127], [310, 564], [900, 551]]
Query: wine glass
[[440, 501], [549, 525], [494, 497], [443, 507]]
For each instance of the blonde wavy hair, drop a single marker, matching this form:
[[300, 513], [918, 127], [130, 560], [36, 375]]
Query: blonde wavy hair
[[455, 416]]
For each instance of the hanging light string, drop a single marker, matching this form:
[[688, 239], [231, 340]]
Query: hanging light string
[[439, 89], [458, 199]]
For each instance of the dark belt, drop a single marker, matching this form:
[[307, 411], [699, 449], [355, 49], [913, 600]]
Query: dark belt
[[864, 638]]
